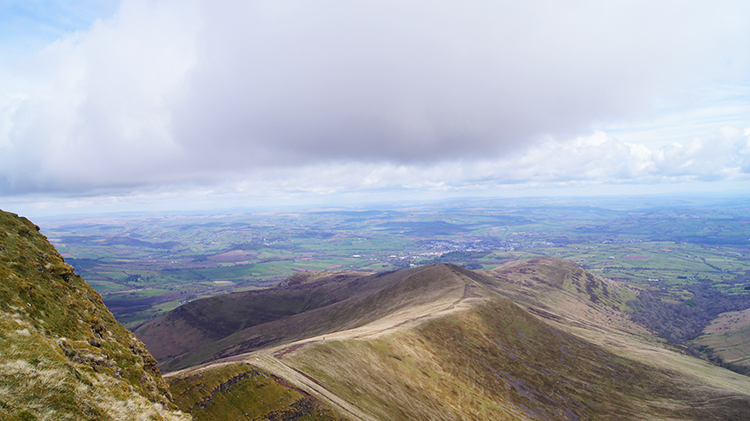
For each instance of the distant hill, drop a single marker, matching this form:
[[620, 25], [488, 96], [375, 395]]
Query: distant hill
[[63, 356], [534, 339]]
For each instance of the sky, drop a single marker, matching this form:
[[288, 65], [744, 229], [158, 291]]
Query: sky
[[166, 105]]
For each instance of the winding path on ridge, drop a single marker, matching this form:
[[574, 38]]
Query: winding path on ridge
[[463, 294]]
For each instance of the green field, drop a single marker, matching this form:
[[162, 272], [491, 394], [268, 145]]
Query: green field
[[145, 264]]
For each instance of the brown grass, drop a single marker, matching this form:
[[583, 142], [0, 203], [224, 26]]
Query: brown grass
[[539, 339], [468, 353]]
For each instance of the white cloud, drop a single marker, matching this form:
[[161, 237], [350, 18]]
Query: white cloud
[[93, 108], [578, 165], [592, 159], [723, 156], [595, 159]]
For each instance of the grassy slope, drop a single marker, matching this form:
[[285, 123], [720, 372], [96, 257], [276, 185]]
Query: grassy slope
[[441, 342], [497, 361], [566, 295], [62, 354], [601, 323], [239, 391], [193, 325], [728, 338], [369, 298], [545, 275]]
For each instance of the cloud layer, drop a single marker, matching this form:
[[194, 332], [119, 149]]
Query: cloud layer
[[330, 96], [595, 159]]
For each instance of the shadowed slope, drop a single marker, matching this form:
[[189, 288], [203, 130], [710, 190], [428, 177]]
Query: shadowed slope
[[194, 324], [62, 354], [369, 298]]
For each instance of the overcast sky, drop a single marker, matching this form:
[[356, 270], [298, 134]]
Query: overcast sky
[[159, 104]]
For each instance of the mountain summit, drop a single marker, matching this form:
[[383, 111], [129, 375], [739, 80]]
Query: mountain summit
[[63, 356]]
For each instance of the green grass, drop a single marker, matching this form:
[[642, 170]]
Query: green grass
[[62, 354], [703, 239], [492, 360]]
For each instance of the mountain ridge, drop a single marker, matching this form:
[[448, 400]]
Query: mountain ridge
[[533, 339], [541, 338], [377, 295]]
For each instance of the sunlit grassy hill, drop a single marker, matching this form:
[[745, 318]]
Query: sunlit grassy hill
[[540, 339], [550, 277], [63, 356], [496, 362]]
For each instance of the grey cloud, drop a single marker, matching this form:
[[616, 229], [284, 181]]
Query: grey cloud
[[416, 82], [196, 91], [595, 159]]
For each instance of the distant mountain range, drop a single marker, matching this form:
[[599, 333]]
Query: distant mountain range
[[529, 340]]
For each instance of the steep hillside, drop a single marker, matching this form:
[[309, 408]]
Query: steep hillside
[[540, 339], [283, 314], [569, 297], [498, 362], [193, 325], [727, 339], [62, 354]]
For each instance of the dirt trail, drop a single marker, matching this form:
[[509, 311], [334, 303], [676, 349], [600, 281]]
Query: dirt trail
[[301, 381], [463, 295], [271, 360]]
